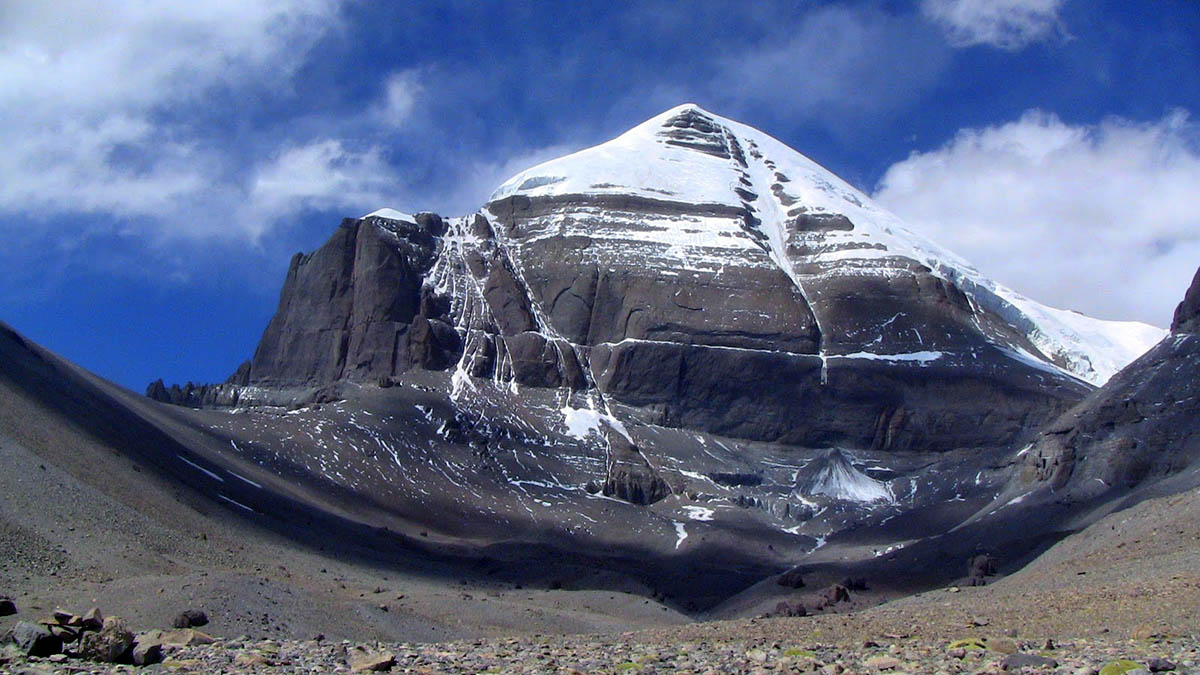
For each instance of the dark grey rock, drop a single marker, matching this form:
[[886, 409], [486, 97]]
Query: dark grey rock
[[982, 565], [832, 595], [784, 608], [792, 578], [93, 619], [111, 644], [630, 477], [147, 652], [36, 640], [190, 618], [1158, 664], [8, 607], [1018, 661]]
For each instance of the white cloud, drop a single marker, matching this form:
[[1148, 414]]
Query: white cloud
[[1007, 24], [320, 174], [90, 89], [401, 91], [1098, 218], [839, 62]]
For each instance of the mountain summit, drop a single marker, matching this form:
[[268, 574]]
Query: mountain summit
[[707, 275], [688, 341], [814, 228]]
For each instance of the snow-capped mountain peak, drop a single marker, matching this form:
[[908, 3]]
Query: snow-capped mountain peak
[[810, 223]]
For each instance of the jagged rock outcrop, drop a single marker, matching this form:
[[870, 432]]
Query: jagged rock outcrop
[[630, 476], [1144, 425], [1187, 314], [357, 308]]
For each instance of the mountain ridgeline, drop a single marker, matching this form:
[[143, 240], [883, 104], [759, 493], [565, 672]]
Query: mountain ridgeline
[[701, 274], [695, 358]]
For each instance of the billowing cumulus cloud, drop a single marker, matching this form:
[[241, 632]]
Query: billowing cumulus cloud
[[97, 97], [1007, 24], [1098, 218]]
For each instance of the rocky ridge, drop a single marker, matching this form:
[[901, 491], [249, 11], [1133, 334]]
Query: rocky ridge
[[1138, 429]]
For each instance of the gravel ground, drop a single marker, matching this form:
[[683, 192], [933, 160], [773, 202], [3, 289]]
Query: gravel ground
[[642, 653]]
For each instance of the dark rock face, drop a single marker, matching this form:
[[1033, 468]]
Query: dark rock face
[[348, 311], [1187, 314], [7, 606], [1143, 425]]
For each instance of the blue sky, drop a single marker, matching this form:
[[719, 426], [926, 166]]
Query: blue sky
[[161, 162]]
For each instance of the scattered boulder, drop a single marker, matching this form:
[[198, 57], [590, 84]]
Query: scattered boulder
[[1160, 665], [363, 660], [1019, 661], [252, 660], [832, 595], [92, 620], [35, 640], [7, 606], [978, 567], [147, 652], [111, 644], [785, 608], [791, 578], [855, 583], [190, 618], [882, 663]]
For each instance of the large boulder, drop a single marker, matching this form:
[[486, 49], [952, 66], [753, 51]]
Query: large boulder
[[35, 640], [111, 644]]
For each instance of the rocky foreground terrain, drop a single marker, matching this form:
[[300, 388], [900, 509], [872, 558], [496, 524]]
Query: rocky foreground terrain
[[1122, 594]]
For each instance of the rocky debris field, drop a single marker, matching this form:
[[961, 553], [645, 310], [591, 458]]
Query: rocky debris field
[[650, 652]]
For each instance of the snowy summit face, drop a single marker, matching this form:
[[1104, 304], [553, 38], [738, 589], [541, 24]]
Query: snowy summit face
[[810, 223]]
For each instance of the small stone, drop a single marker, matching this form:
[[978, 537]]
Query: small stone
[[1018, 661], [882, 663], [757, 655], [7, 606], [957, 653], [1087, 670], [35, 640], [63, 617], [1160, 665]]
